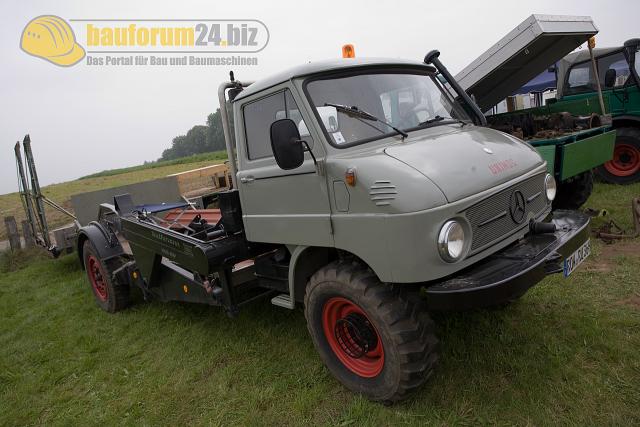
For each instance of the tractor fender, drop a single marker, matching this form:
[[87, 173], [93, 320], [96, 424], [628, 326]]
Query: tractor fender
[[104, 241]]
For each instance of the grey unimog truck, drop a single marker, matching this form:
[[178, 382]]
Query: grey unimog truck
[[367, 191]]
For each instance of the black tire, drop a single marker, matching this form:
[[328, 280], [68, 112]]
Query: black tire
[[109, 295], [574, 192], [399, 320], [620, 170]]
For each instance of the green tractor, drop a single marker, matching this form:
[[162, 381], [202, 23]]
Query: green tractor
[[618, 77]]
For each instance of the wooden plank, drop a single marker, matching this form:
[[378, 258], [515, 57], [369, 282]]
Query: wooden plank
[[12, 232], [29, 241], [208, 177]]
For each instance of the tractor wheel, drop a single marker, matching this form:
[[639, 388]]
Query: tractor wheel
[[110, 295], [624, 168], [376, 339], [574, 192]]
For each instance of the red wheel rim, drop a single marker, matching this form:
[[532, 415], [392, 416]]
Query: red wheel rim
[[625, 162], [97, 278], [352, 337]]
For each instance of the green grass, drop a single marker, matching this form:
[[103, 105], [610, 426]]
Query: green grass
[[216, 155], [61, 193], [565, 354]]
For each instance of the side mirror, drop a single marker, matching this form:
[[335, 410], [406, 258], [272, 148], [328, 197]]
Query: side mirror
[[610, 78], [286, 144]]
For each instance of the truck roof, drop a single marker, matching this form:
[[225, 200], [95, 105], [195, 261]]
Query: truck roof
[[325, 66]]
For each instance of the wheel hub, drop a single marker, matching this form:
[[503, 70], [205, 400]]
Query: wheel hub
[[353, 338], [625, 162], [356, 335], [96, 278]]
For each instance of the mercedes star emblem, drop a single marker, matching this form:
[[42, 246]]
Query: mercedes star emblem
[[517, 206]]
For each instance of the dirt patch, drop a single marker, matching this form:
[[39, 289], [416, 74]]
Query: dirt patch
[[606, 260], [633, 301]]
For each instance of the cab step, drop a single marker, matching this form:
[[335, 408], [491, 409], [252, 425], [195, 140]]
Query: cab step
[[283, 300]]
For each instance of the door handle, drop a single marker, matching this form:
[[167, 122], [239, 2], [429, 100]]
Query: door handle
[[247, 179]]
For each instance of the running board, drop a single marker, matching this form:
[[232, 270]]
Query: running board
[[283, 300]]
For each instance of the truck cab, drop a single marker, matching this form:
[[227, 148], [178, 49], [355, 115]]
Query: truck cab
[[362, 187]]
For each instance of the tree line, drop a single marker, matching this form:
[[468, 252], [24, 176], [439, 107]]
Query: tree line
[[199, 139]]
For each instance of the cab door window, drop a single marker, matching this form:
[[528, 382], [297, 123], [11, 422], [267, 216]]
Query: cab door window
[[581, 79], [617, 64], [260, 114]]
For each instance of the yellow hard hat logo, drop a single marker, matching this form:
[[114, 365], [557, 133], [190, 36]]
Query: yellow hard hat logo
[[51, 38]]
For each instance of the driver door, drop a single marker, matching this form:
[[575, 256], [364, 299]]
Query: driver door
[[278, 206]]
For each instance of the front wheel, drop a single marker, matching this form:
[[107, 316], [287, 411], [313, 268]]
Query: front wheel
[[574, 192], [624, 167], [375, 338]]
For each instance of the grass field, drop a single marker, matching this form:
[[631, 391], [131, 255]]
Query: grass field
[[61, 193], [567, 353]]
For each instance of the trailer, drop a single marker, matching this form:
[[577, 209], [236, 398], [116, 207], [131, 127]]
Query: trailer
[[573, 137]]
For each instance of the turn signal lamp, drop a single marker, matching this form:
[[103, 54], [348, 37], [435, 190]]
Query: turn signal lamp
[[350, 177], [592, 42], [348, 51]]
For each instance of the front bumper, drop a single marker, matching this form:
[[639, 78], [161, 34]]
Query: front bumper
[[508, 274]]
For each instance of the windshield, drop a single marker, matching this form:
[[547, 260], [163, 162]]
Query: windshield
[[407, 101]]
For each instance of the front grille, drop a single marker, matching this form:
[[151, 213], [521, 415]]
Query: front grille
[[491, 218]]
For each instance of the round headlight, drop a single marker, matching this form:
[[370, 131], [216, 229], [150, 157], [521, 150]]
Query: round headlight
[[451, 241], [550, 187]]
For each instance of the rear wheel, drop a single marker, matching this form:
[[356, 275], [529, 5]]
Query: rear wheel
[[624, 167], [109, 295], [375, 338], [574, 192]]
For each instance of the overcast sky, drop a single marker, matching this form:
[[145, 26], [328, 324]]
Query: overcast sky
[[84, 119]]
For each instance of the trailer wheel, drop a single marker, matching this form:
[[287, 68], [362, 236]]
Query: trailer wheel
[[574, 192], [109, 295], [624, 167], [376, 339]]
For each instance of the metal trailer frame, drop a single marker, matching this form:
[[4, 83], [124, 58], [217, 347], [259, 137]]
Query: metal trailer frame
[[25, 196], [33, 200], [171, 266]]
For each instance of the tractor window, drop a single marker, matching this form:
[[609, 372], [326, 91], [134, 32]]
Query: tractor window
[[617, 64], [259, 115], [581, 79]]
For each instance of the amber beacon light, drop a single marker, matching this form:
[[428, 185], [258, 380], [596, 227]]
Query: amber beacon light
[[348, 51]]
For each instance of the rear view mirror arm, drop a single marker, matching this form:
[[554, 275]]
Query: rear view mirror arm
[[306, 144]]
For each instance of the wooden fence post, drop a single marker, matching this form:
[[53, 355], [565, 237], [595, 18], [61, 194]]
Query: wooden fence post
[[12, 232], [27, 234]]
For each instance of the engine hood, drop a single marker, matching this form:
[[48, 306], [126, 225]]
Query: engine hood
[[465, 161]]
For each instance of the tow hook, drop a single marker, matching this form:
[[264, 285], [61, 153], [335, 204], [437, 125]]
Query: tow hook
[[541, 227]]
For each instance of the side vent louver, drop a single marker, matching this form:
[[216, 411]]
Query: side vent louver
[[382, 193]]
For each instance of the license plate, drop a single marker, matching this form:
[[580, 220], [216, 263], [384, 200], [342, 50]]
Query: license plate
[[576, 258]]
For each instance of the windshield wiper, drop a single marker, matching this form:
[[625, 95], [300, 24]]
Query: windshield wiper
[[432, 120], [357, 112], [439, 119]]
